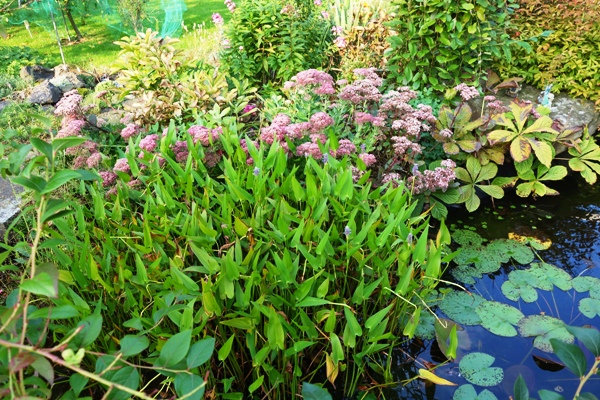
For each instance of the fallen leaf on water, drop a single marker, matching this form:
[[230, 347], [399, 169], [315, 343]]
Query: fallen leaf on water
[[430, 376]]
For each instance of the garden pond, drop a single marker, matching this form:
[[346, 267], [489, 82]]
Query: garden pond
[[571, 223]]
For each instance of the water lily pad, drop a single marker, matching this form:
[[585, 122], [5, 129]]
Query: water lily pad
[[475, 367], [550, 276], [466, 237], [460, 307], [466, 274], [587, 283], [467, 392], [589, 307], [519, 252], [544, 328], [521, 284], [499, 318], [482, 260]]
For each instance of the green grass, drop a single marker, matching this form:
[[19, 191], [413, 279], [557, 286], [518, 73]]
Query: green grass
[[97, 50]]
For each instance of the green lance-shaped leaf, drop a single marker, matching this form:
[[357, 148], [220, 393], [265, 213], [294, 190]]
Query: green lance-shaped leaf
[[571, 355], [476, 368], [520, 390], [133, 344], [590, 337]]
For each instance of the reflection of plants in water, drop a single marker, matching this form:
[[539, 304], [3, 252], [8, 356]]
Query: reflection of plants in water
[[551, 334]]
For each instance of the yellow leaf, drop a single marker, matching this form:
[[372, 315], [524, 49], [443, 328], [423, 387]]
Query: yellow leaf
[[430, 376], [332, 369]]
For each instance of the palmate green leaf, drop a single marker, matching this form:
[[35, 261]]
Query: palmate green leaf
[[571, 355], [468, 145], [590, 337], [499, 318], [520, 149], [542, 150], [451, 148], [460, 306], [476, 369], [492, 190], [468, 392], [174, 350], [501, 136], [544, 328]]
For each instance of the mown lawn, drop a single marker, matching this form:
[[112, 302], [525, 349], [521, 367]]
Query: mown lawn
[[97, 50]]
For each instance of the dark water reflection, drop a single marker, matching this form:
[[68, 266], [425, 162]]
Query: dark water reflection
[[572, 222]]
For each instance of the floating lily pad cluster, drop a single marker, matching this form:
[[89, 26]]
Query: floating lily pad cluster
[[477, 258], [505, 320]]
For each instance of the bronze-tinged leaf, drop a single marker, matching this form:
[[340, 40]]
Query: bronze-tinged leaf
[[451, 148], [520, 150], [469, 146], [547, 364]]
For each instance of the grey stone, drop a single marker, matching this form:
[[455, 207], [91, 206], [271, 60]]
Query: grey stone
[[570, 112], [67, 81], [34, 73], [45, 93], [10, 203]]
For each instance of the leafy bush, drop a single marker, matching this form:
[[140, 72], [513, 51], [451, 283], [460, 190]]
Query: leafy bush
[[562, 50], [163, 84], [446, 42], [269, 41], [10, 84], [361, 34], [12, 58]]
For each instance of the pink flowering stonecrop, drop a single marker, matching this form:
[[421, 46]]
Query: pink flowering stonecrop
[[467, 92]]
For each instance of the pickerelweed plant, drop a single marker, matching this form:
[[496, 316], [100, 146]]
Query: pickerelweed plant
[[55, 337], [194, 238]]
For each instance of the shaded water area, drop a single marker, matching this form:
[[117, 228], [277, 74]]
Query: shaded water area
[[572, 222]]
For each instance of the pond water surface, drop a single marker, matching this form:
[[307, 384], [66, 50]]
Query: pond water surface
[[572, 222]]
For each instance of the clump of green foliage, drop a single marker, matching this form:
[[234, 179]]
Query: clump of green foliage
[[269, 41], [12, 58], [441, 43], [563, 52], [163, 83]]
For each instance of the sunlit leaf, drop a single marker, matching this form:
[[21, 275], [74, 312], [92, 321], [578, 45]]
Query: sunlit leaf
[[499, 318], [460, 306], [430, 376], [544, 328]]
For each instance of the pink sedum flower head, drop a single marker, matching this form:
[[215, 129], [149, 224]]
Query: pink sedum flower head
[[320, 121], [368, 159], [217, 19], [130, 130], [122, 165], [467, 92], [108, 178]]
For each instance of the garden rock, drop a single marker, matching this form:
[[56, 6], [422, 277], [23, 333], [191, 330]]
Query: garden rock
[[67, 81], [34, 73], [9, 203], [45, 93]]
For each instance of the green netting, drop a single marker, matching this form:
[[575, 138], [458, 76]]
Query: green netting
[[123, 17]]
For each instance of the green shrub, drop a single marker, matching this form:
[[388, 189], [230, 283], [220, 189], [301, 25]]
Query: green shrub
[[563, 52], [12, 58], [269, 41], [164, 84], [442, 42]]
